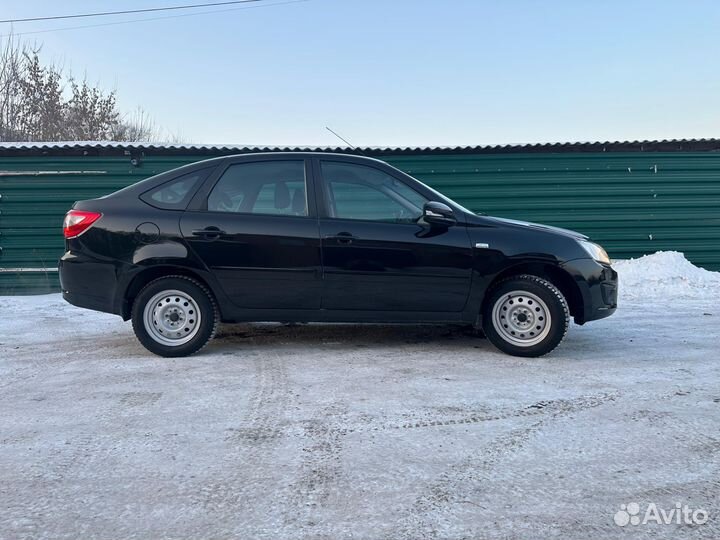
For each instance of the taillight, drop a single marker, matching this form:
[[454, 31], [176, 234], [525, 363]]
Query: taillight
[[78, 221]]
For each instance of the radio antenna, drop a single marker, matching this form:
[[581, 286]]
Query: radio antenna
[[341, 138]]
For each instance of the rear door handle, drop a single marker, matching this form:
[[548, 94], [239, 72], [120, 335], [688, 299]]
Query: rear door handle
[[208, 233], [342, 238]]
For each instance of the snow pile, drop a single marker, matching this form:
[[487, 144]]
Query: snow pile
[[667, 274]]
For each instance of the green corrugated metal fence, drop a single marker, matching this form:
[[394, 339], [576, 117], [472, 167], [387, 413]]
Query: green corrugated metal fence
[[633, 203], [36, 192]]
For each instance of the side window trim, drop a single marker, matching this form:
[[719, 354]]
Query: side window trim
[[317, 199]]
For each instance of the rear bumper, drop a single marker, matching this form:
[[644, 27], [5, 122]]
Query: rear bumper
[[87, 282], [598, 285]]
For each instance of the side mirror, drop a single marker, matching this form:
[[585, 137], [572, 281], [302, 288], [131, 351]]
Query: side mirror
[[437, 213]]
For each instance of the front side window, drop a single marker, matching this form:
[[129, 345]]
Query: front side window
[[365, 193], [268, 187]]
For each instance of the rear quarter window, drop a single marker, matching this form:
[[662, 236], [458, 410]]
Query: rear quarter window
[[175, 194]]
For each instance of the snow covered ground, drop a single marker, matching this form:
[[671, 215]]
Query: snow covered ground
[[364, 432]]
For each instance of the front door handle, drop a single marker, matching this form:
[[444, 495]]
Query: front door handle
[[208, 233], [342, 237]]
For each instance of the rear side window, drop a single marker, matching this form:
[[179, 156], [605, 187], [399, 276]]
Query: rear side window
[[269, 188], [175, 194]]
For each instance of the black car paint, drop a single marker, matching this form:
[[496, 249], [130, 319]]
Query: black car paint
[[317, 268]]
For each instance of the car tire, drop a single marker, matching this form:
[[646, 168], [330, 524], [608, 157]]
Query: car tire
[[174, 316], [525, 316]]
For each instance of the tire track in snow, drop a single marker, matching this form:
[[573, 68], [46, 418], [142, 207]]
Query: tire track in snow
[[431, 513], [250, 445], [320, 469]]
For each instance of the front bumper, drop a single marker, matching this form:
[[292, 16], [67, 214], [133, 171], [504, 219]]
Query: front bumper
[[598, 285]]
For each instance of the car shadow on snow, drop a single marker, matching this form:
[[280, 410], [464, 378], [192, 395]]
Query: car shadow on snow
[[354, 335]]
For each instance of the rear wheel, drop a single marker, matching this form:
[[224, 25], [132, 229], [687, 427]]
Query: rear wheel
[[174, 316], [525, 316]]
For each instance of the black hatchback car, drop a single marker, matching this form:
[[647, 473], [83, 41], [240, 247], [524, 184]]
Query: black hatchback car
[[302, 237]]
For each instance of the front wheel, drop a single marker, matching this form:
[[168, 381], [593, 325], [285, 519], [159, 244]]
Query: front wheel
[[525, 316], [174, 316]]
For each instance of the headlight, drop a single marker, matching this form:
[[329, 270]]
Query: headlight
[[595, 251]]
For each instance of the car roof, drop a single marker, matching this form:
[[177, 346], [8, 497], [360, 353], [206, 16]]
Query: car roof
[[282, 155], [321, 155]]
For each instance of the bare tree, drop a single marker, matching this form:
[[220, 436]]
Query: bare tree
[[90, 114], [12, 73], [39, 103], [138, 126], [41, 106]]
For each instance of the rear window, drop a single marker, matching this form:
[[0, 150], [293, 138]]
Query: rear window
[[175, 194]]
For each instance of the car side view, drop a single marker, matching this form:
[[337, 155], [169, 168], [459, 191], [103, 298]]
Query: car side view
[[319, 237]]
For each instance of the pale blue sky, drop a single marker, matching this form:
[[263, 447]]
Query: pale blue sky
[[403, 72]]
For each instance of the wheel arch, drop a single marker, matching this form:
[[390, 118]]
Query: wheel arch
[[151, 273], [552, 273]]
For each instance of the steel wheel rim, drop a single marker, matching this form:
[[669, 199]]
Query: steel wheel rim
[[172, 318], [521, 318]]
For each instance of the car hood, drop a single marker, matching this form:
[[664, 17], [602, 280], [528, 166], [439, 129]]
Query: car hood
[[538, 226]]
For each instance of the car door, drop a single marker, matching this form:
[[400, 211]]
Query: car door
[[377, 253], [257, 231]]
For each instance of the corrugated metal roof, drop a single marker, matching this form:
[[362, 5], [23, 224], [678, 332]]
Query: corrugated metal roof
[[109, 147]]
